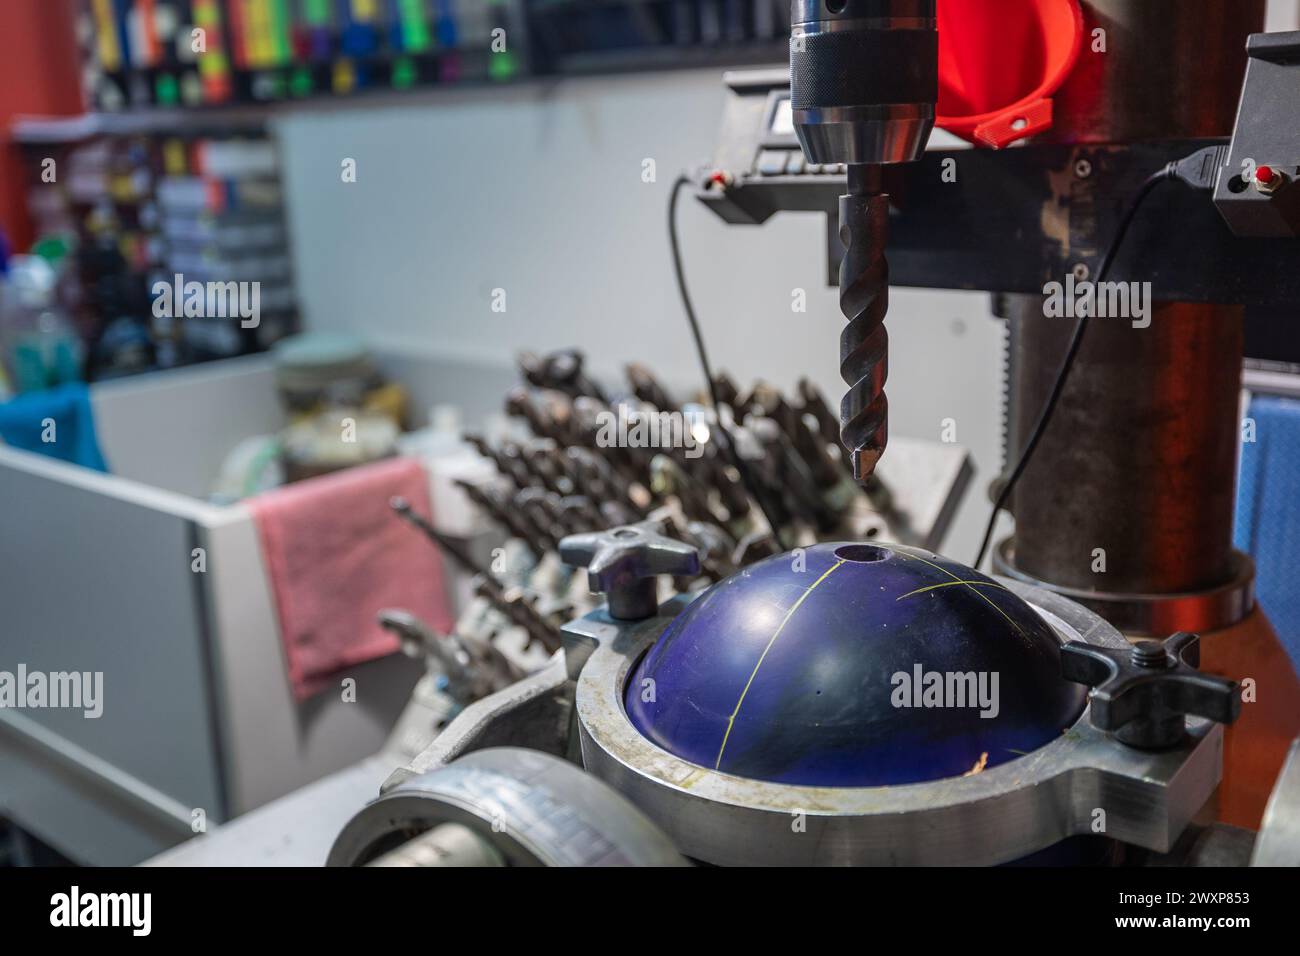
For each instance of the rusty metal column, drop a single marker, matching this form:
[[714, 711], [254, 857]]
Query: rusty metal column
[[1140, 457]]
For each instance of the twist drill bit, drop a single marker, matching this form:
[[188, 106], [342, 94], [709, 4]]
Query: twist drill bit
[[812, 403], [647, 388], [561, 371], [727, 390], [806, 442], [520, 404], [507, 467], [520, 611], [488, 500], [449, 546], [533, 512], [517, 610], [864, 300], [542, 463]]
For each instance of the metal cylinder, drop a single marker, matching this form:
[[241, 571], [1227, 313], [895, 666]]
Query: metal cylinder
[[1140, 456], [1158, 69], [1131, 491]]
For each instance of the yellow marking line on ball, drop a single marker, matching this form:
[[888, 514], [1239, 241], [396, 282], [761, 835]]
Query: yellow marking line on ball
[[952, 584], [957, 580], [779, 628]]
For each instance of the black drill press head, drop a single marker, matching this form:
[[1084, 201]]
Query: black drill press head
[[864, 78]]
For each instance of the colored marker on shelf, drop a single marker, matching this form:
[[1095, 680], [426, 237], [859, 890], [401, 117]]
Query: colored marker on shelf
[[316, 31], [214, 66], [404, 73], [107, 42], [344, 76], [413, 26], [359, 35]]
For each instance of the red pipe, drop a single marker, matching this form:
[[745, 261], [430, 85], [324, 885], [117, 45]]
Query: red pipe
[[39, 75]]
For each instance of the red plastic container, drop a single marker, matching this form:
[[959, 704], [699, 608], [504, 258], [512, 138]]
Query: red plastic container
[[1000, 61]]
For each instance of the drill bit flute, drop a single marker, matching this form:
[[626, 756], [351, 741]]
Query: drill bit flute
[[864, 300]]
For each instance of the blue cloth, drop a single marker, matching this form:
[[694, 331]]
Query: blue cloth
[[1268, 512], [23, 424]]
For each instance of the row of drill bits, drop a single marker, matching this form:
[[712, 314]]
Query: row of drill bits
[[568, 477]]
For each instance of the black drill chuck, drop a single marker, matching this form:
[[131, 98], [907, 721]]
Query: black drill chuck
[[864, 78]]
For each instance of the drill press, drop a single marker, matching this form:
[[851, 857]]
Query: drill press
[[863, 87]]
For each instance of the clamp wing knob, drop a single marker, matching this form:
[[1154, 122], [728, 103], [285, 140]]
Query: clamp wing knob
[[1142, 695], [623, 562]]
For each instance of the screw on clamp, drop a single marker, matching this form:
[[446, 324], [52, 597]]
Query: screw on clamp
[[1142, 695], [623, 563]]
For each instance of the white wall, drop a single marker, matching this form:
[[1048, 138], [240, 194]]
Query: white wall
[[1282, 15], [538, 191]]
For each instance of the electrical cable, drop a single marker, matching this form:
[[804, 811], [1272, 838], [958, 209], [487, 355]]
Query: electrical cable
[[1067, 363], [728, 442]]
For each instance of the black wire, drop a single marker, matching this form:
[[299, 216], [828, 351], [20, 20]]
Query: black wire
[[728, 443], [1067, 363]]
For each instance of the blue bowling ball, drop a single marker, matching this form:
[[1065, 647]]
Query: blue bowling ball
[[853, 665]]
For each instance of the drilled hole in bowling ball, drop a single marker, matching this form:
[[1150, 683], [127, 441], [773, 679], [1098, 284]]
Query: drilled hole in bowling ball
[[861, 553], [836, 6]]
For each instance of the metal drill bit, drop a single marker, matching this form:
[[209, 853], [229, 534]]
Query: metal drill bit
[[579, 513], [716, 548], [531, 510], [542, 462], [805, 441], [512, 469], [520, 404], [754, 547], [812, 402], [485, 583], [596, 477], [669, 478], [518, 458], [647, 388], [864, 300], [726, 389], [495, 508], [449, 545], [616, 513], [799, 489], [562, 371], [588, 415], [520, 611]]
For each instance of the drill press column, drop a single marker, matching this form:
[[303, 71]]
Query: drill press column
[[863, 87]]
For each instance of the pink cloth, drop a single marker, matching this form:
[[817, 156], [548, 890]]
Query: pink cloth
[[337, 555]]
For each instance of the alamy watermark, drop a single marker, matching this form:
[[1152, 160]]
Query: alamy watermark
[[1080, 298], [179, 299], [133, 911], [632, 427], [57, 690], [946, 689]]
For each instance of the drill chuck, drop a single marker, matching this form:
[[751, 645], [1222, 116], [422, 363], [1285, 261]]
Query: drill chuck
[[864, 78]]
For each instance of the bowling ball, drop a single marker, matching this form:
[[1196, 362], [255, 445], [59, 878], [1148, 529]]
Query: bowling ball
[[853, 665]]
